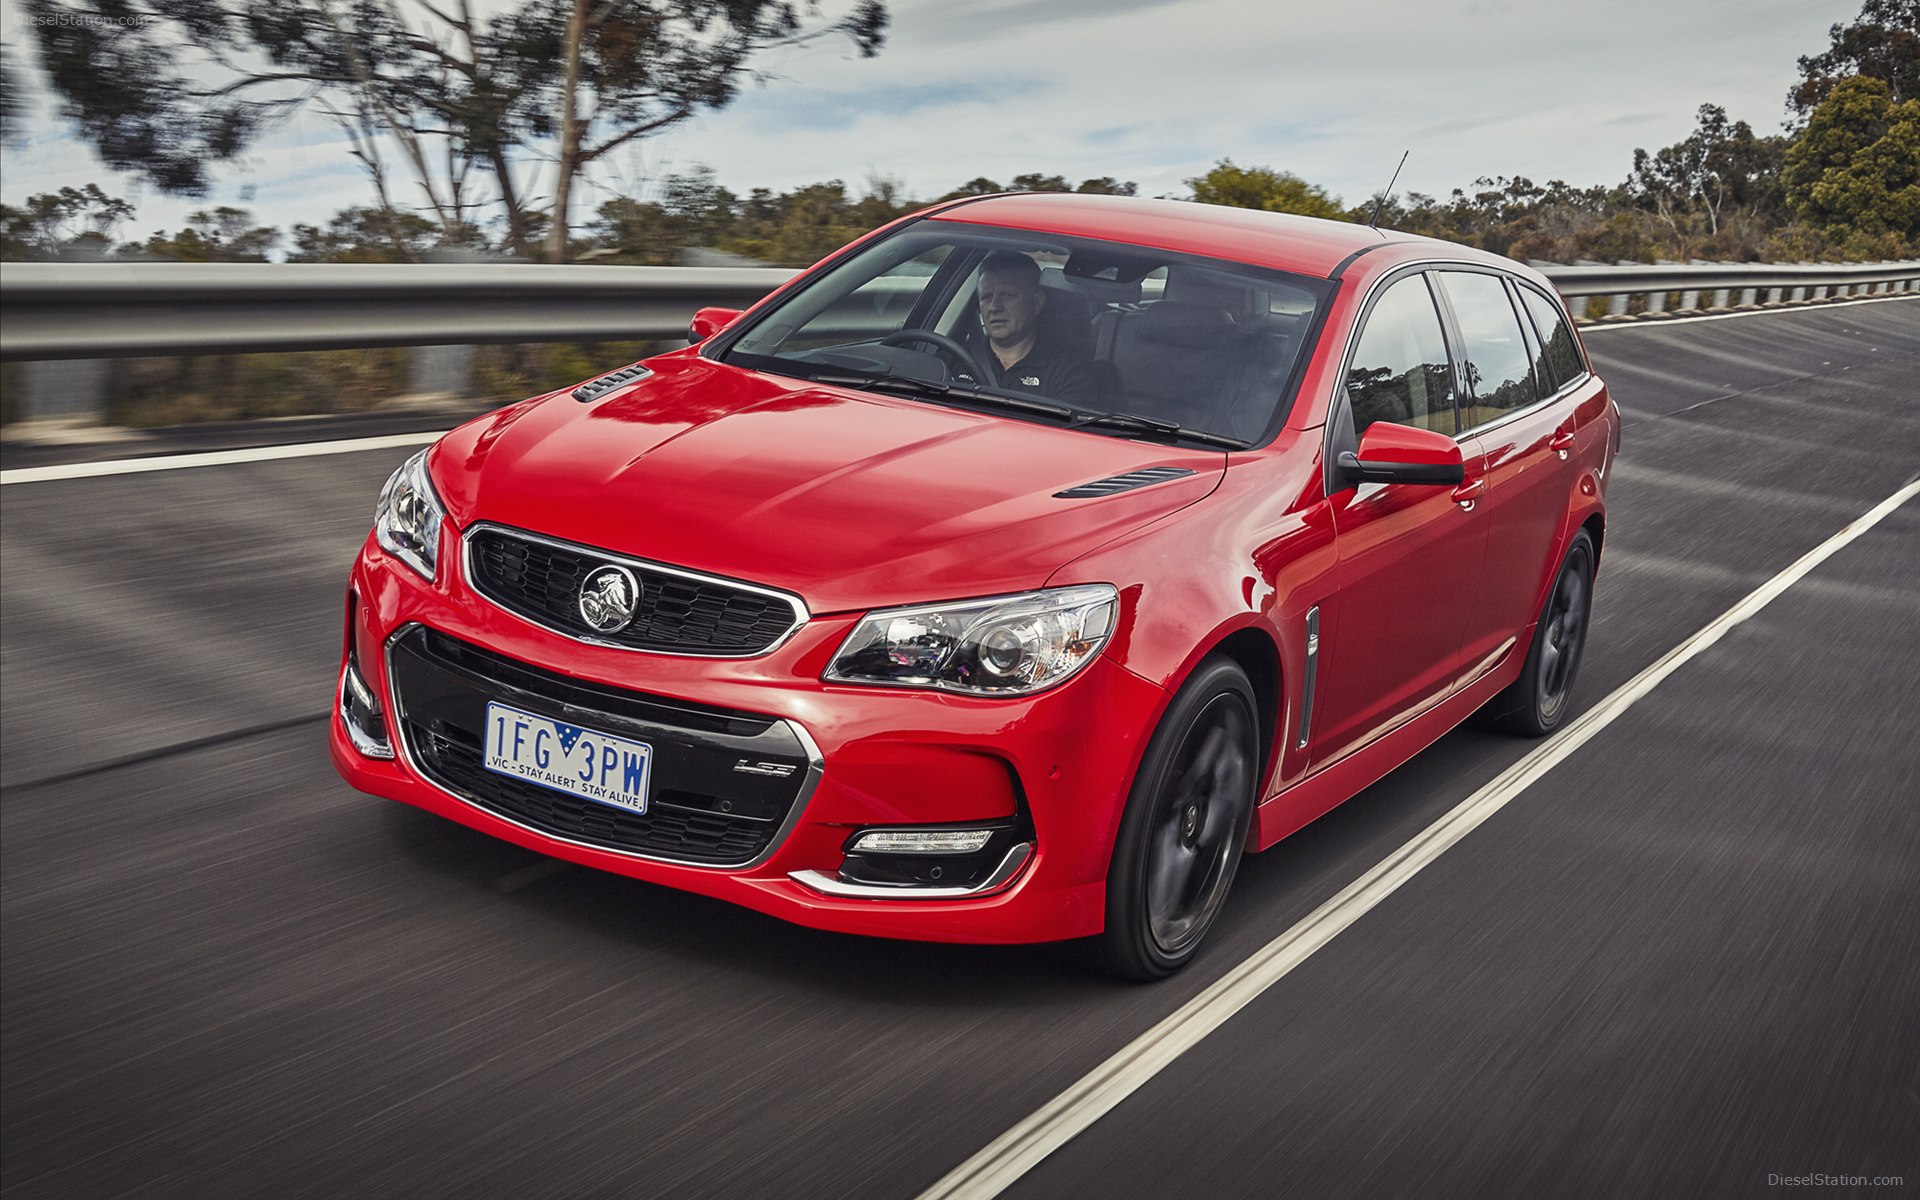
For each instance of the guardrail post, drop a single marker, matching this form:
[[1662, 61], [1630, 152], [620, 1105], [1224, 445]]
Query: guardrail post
[[440, 371], [1657, 300], [1621, 299], [1691, 299], [73, 391]]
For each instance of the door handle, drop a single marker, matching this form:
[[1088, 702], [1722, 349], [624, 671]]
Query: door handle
[[1562, 443], [1468, 492]]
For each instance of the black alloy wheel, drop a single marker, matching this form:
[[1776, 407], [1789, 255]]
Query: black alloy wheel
[[1536, 704], [1185, 827]]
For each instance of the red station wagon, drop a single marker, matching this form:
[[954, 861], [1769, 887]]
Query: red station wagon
[[1002, 578]]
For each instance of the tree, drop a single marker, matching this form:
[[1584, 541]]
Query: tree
[[1264, 188], [223, 234], [479, 109], [54, 223], [12, 104], [365, 235], [1720, 165], [979, 185], [1855, 169], [1036, 182], [1883, 42]]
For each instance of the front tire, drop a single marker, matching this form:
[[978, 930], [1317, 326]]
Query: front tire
[[1184, 828], [1537, 703]]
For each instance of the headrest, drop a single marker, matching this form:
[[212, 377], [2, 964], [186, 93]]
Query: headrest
[[1066, 320], [1189, 326], [1190, 286]]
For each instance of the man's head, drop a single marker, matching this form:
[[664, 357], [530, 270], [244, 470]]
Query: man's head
[[1010, 297]]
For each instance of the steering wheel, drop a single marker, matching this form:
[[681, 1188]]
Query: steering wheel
[[950, 347]]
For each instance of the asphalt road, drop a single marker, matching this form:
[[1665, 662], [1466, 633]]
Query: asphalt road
[[1687, 958]]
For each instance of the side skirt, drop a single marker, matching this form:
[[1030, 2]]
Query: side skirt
[[1321, 792]]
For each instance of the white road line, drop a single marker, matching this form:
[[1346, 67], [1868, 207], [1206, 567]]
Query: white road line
[[1023, 1147], [213, 458], [1586, 330]]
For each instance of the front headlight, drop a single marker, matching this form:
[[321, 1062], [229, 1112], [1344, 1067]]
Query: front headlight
[[1005, 646], [406, 522]]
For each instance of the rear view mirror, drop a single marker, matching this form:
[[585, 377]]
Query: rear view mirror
[[709, 321], [1392, 453]]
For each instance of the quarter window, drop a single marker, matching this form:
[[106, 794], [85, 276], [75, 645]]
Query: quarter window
[[1499, 370], [1400, 372], [1563, 356]]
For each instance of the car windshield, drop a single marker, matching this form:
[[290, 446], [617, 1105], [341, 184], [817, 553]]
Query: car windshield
[[1117, 339]]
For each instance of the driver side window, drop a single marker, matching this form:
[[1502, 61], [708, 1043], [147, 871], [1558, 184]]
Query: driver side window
[[1400, 371], [873, 310]]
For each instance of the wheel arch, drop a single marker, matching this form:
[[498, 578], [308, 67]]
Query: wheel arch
[[1254, 651], [1596, 527]]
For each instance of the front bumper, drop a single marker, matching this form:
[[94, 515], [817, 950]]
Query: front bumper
[[1056, 765]]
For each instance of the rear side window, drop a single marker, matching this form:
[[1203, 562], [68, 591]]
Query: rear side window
[[1400, 371], [1499, 368], [1562, 354]]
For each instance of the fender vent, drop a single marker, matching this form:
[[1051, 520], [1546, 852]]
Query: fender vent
[[594, 389], [1123, 483]]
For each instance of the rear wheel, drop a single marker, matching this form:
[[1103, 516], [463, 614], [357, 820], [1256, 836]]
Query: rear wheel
[[1184, 828], [1537, 703]]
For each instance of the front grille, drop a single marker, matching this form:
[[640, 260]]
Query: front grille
[[700, 811], [677, 614]]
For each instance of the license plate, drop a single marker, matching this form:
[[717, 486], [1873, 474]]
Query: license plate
[[567, 758]]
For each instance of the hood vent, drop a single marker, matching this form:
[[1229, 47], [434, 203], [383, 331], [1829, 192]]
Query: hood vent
[[1113, 484], [597, 388]]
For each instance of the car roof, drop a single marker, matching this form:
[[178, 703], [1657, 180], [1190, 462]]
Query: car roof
[[1306, 245]]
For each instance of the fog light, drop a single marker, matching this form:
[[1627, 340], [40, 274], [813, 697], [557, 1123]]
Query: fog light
[[921, 841], [360, 713]]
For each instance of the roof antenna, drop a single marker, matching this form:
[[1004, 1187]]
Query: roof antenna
[[1375, 223]]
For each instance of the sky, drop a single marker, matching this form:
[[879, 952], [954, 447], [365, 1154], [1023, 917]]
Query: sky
[[1153, 91]]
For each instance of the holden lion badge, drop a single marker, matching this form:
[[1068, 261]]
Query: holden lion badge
[[608, 598]]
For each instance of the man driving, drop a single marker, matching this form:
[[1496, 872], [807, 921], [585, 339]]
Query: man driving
[[1022, 355]]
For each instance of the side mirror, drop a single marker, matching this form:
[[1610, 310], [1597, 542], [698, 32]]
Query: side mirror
[[1402, 454], [709, 321]]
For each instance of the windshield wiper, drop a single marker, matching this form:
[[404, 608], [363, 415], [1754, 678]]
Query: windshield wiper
[[1074, 418], [1134, 423], [944, 391]]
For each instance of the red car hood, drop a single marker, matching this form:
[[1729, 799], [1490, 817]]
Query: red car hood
[[850, 500]]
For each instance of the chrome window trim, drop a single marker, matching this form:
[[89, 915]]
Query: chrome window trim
[[799, 607], [1000, 880], [816, 767]]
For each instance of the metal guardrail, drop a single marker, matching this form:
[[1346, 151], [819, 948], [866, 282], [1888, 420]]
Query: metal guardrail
[[1726, 284], [64, 320], [112, 310], [109, 310], [123, 310]]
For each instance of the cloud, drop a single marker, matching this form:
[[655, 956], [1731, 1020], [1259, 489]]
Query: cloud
[[777, 108], [1155, 91]]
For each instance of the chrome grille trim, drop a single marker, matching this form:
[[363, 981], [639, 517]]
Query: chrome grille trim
[[798, 606]]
